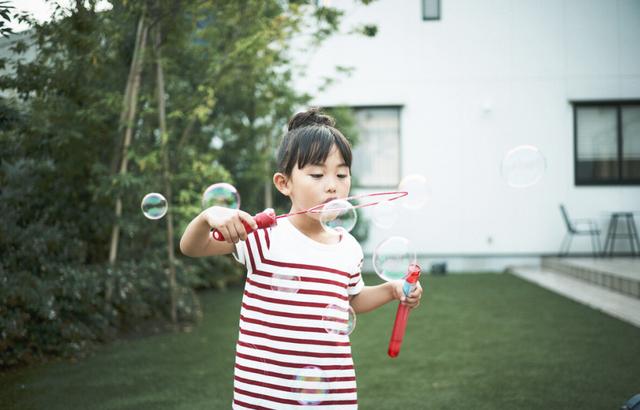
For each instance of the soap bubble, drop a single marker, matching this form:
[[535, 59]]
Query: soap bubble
[[221, 194], [523, 166], [385, 214], [418, 189], [338, 214], [256, 356], [339, 320], [285, 283], [392, 257], [310, 385], [154, 206]]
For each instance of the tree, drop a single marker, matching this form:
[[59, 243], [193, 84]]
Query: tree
[[73, 105]]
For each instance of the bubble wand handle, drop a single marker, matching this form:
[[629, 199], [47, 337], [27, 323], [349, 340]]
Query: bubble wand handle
[[402, 314], [264, 219]]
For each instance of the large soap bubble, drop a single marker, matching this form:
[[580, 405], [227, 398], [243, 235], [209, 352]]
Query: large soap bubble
[[338, 214], [221, 194], [392, 258]]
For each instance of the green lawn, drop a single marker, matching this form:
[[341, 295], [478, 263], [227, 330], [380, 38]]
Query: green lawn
[[481, 341]]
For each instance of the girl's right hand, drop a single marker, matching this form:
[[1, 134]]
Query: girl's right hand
[[229, 222]]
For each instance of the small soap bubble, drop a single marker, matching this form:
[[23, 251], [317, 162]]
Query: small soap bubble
[[154, 206], [285, 283], [339, 320], [310, 385], [385, 214], [418, 191], [523, 166], [255, 356]]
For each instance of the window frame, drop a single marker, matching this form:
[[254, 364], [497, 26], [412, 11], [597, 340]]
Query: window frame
[[398, 108], [618, 105]]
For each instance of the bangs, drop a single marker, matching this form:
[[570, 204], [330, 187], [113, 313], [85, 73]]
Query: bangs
[[311, 146]]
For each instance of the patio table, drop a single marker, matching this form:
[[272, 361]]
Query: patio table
[[631, 232]]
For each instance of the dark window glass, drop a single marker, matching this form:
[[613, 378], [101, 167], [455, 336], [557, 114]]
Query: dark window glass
[[631, 142], [431, 9], [607, 143]]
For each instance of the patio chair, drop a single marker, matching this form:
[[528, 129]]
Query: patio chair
[[579, 227]]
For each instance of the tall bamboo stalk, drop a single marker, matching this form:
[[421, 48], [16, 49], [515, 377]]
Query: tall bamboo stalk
[[128, 114], [162, 118]]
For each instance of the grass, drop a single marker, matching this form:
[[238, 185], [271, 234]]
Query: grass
[[481, 341]]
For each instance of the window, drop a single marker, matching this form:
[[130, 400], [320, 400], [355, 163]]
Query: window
[[607, 143], [430, 9], [377, 156]]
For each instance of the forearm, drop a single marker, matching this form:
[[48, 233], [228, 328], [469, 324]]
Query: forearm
[[372, 297], [194, 238]]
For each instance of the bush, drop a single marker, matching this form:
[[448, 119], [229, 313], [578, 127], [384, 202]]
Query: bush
[[66, 312]]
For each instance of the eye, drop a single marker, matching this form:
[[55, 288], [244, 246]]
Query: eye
[[342, 176], [316, 176]]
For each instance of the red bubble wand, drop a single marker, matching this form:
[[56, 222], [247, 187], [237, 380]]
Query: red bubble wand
[[268, 218]]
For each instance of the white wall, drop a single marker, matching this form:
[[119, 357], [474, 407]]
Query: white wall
[[489, 76]]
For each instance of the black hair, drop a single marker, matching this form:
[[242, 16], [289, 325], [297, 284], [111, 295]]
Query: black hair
[[310, 137]]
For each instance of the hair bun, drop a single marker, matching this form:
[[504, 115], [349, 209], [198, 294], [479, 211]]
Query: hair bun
[[313, 116]]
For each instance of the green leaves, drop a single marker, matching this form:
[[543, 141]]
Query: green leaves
[[5, 18], [228, 77]]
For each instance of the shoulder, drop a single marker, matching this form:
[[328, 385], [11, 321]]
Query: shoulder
[[351, 244]]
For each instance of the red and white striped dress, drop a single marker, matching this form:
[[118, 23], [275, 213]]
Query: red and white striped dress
[[289, 354]]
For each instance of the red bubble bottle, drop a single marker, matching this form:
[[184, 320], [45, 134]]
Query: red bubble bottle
[[402, 314]]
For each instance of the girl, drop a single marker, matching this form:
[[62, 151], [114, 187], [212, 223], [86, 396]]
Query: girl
[[299, 276]]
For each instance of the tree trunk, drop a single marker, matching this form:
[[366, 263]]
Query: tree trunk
[[268, 187], [166, 173], [126, 103], [128, 114]]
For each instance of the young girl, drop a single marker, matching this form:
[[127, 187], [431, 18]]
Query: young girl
[[299, 276]]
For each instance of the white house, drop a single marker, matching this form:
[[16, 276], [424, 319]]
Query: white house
[[447, 87]]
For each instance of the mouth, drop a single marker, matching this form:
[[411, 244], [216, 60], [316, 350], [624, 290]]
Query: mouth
[[329, 200]]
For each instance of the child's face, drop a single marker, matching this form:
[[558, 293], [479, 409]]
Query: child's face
[[319, 183]]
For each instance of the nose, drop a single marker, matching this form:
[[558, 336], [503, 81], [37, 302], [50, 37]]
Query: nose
[[331, 185]]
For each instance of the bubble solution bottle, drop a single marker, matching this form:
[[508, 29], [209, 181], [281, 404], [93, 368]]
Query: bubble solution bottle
[[402, 314]]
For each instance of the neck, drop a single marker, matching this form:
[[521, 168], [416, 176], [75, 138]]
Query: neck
[[313, 229], [305, 224]]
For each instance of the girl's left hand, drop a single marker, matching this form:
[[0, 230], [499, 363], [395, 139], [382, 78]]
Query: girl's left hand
[[414, 297]]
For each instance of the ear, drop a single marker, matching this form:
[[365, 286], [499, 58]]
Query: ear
[[282, 183]]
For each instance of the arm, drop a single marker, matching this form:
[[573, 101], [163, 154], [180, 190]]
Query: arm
[[196, 240], [372, 297]]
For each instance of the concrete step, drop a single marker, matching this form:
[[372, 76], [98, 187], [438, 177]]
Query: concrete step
[[620, 275], [613, 303]]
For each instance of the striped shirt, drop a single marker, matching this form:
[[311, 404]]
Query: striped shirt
[[293, 348]]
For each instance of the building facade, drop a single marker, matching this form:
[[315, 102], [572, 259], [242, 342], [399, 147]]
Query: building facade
[[448, 87]]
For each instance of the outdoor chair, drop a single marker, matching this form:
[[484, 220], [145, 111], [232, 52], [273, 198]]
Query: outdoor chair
[[579, 227]]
